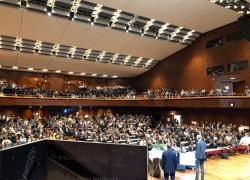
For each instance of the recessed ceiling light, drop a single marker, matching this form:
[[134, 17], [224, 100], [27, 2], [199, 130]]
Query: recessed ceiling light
[[114, 76], [232, 78], [30, 69], [49, 14], [93, 74], [0, 66], [105, 75], [71, 72], [15, 67], [83, 73], [58, 71], [45, 70]]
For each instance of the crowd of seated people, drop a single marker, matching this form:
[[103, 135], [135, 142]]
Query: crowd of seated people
[[104, 91], [193, 93], [246, 91], [114, 128], [160, 93], [172, 93], [9, 88], [82, 91], [220, 92]]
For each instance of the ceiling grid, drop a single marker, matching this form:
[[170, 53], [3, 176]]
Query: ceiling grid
[[116, 38]]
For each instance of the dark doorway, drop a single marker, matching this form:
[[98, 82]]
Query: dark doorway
[[238, 87]]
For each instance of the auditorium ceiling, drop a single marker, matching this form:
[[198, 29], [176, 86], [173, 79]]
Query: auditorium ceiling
[[103, 38]]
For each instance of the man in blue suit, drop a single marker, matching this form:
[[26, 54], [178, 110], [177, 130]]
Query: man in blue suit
[[200, 156], [169, 163]]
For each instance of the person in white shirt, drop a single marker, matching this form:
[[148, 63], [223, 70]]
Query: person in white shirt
[[6, 142], [245, 141]]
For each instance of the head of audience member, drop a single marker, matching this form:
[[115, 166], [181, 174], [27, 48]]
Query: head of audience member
[[199, 137]]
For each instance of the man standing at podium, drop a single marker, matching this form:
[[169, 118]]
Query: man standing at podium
[[169, 163], [200, 156]]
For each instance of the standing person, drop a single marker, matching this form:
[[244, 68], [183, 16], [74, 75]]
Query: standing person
[[200, 156], [245, 141], [169, 163]]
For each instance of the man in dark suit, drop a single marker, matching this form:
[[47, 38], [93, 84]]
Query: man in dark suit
[[200, 156], [169, 163]]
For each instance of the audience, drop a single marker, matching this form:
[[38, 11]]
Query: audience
[[246, 91], [160, 93], [114, 128], [8, 88], [193, 93], [83, 91]]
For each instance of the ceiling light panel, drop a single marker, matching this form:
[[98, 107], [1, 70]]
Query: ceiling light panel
[[97, 14], [71, 52], [55, 71], [240, 6]]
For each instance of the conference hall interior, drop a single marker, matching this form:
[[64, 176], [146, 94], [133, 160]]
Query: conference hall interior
[[124, 89]]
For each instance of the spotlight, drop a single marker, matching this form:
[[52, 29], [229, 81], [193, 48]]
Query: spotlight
[[71, 16], [49, 10], [23, 3], [36, 50], [127, 28], [92, 19], [231, 104], [18, 48]]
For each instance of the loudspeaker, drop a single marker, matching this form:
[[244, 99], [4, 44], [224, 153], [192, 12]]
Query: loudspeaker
[[244, 26], [224, 155]]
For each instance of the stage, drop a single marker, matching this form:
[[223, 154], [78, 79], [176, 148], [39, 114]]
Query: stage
[[236, 167]]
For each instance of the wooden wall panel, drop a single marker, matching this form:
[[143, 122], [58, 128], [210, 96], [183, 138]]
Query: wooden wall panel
[[236, 116], [188, 68], [209, 102], [58, 81]]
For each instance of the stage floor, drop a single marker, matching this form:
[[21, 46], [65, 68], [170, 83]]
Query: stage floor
[[236, 167]]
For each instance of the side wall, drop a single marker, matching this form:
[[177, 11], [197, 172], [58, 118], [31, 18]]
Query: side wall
[[235, 116], [188, 68]]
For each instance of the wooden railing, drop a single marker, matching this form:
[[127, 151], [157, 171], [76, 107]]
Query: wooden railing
[[188, 102]]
